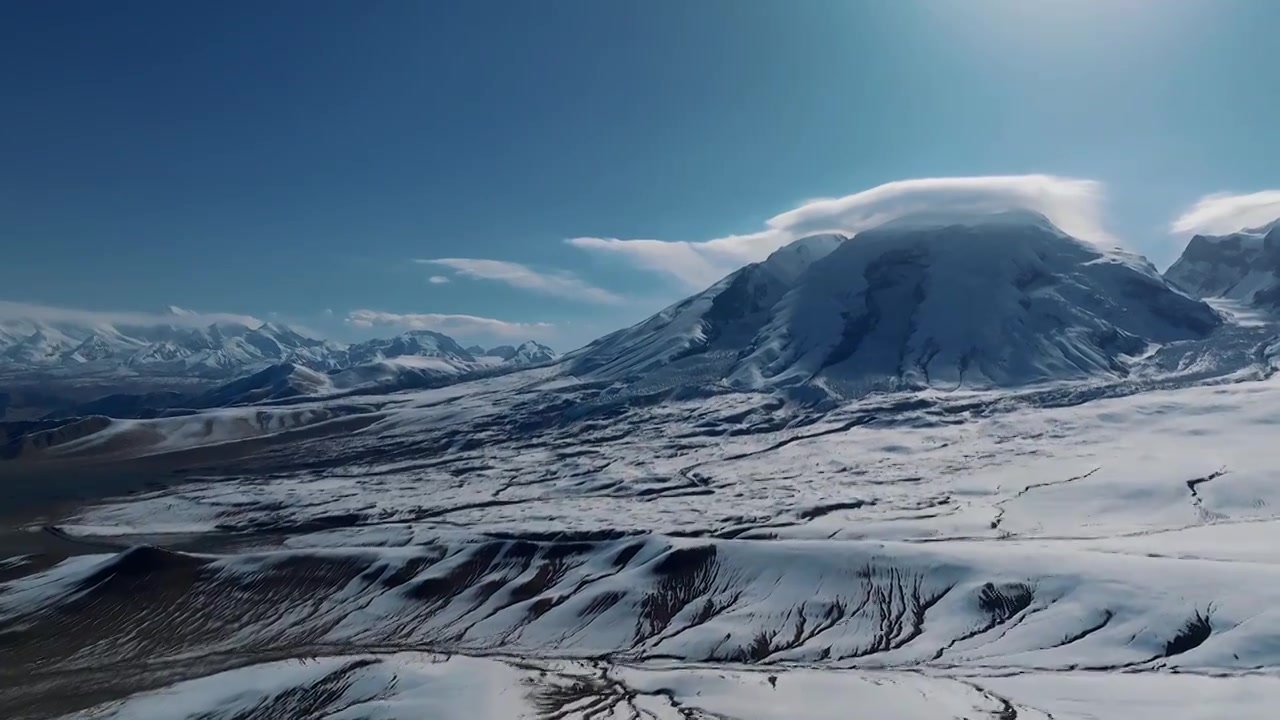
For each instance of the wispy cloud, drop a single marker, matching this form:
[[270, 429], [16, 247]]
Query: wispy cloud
[[1073, 204], [456, 325], [17, 311], [1223, 213], [438, 280], [694, 264], [557, 283]]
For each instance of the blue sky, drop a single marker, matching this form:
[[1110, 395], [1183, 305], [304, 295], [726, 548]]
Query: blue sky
[[362, 167]]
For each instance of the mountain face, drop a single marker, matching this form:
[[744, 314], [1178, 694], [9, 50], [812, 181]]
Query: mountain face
[[277, 382], [532, 353], [1243, 266], [434, 361], [708, 331], [40, 347], [420, 343], [998, 300], [506, 352]]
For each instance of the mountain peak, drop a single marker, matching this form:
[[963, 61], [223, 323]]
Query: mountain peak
[[938, 299], [532, 353]]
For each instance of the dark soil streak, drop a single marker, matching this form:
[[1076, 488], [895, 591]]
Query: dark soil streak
[[999, 518], [1107, 617], [1194, 484]]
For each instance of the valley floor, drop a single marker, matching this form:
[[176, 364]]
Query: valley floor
[[532, 547]]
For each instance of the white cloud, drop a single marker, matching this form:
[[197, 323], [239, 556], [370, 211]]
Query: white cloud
[[18, 311], [438, 280], [693, 264], [1223, 213], [1075, 205], [557, 283], [456, 325]]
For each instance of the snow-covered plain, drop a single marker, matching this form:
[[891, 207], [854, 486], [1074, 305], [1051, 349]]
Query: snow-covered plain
[[942, 554], [399, 685]]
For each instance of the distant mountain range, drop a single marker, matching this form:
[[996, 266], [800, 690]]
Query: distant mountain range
[[225, 350], [217, 349], [54, 370]]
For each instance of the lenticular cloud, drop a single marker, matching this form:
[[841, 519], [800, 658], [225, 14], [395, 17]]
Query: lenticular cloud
[[1222, 213], [1074, 205]]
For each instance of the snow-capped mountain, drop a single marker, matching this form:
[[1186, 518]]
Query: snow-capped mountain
[[419, 343], [92, 349], [229, 350], [974, 301], [430, 344], [1243, 266], [43, 346], [217, 349], [530, 353]]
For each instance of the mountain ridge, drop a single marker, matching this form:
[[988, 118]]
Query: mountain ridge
[[218, 350]]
